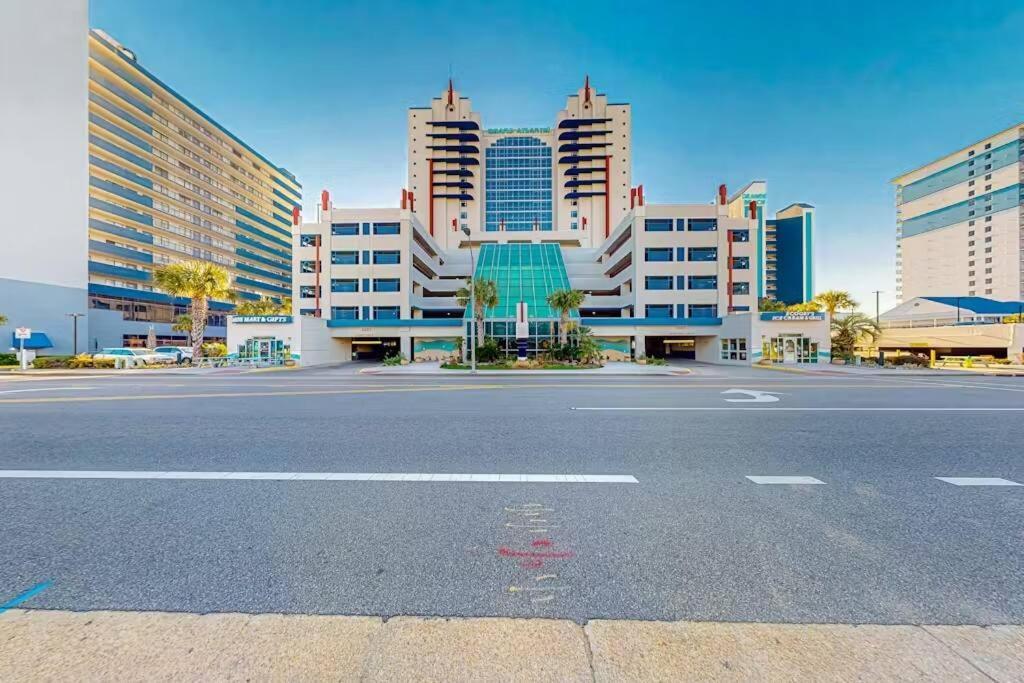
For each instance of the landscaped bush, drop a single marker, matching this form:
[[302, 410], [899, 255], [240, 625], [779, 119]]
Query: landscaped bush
[[8, 359], [656, 361], [50, 362], [488, 352], [912, 361], [394, 359], [214, 350]]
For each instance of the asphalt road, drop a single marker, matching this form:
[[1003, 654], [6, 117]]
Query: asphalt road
[[881, 540]]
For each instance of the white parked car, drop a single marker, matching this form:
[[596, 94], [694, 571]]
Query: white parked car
[[133, 356], [180, 354]]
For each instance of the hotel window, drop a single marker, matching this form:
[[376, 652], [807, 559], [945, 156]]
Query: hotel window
[[344, 229], [740, 235], [574, 214], [703, 224], [308, 240], [345, 258], [345, 312], [703, 282], [386, 229], [385, 312], [339, 285], [307, 266], [574, 225], [741, 288], [704, 311], [658, 225], [734, 349], [307, 291], [703, 253], [660, 254], [387, 258], [658, 282], [308, 311], [386, 284], [680, 224], [741, 262], [658, 310]]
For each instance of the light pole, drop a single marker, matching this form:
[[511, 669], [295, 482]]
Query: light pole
[[472, 305], [74, 330], [878, 292]]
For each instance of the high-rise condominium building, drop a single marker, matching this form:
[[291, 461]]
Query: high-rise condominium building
[[168, 183], [959, 222]]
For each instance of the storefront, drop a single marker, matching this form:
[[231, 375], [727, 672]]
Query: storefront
[[270, 339], [793, 338]]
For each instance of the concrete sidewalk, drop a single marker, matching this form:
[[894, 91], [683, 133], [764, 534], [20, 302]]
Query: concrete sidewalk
[[113, 646], [434, 368]]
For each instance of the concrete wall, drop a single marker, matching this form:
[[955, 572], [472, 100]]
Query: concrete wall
[[318, 346], [44, 174]]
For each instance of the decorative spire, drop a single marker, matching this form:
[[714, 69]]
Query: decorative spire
[[586, 88], [451, 93]]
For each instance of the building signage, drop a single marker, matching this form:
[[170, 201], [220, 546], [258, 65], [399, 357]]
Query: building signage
[[776, 316], [273, 319], [517, 131], [22, 332]]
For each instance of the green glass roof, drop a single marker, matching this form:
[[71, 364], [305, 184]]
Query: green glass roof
[[523, 272]]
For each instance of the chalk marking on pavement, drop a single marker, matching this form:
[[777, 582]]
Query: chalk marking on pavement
[[326, 476], [978, 481], [784, 480], [27, 595], [796, 410]]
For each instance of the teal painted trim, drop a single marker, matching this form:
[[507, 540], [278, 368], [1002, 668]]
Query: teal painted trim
[[118, 231], [122, 172], [397, 322], [264, 222], [120, 191], [1002, 156], [245, 239], [245, 253], [295, 192], [701, 322], [286, 198], [263, 273], [140, 69], [263, 285], [120, 211], [123, 134], [121, 113], [124, 154], [122, 252], [1000, 200], [117, 271], [760, 251], [120, 92], [159, 297], [256, 231], [808, 258]]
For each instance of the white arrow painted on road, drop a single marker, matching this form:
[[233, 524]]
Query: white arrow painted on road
[[754, 396]]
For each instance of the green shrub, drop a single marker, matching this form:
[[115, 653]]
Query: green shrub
[[488, 352], [102, 363], [50, 362], [8, 359], [914, 361], [214, 350], [652, 360], [82, 360], [394, 359]]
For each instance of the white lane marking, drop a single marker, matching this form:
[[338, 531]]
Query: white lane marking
[[327, 476], [22, 391], [753, 396], [808, 409], [784, 480], [978, 481]]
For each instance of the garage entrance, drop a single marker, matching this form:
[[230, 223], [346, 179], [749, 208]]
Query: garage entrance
[[374, 349], [670, 347]]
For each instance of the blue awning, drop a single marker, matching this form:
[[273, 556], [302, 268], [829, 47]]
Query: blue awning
[[37, 341]]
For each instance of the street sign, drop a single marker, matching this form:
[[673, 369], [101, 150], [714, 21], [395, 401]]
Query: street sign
[[23, 333]]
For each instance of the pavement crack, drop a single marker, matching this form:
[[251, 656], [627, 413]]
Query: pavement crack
[[953, 650]]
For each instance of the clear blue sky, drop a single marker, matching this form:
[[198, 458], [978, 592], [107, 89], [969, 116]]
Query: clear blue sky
[[825, 101]]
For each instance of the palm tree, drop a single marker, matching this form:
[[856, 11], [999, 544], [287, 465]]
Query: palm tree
[[767, 305], [485, 295], [565, 301], [183, 324], [806, 307], [850, 329], [3, 319], [834, 300], [264, 306], [199, 281]]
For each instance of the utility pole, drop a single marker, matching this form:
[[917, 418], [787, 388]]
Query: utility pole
[[74, 330], [472, 306], [878, 316]]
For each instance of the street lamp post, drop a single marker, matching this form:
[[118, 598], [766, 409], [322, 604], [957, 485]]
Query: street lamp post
[[878, 293], [74, 330], [472, 305]]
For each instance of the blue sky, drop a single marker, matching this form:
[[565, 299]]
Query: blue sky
[[825, 101]]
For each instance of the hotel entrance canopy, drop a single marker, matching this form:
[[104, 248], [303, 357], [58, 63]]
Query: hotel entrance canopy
[[523, 272]]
